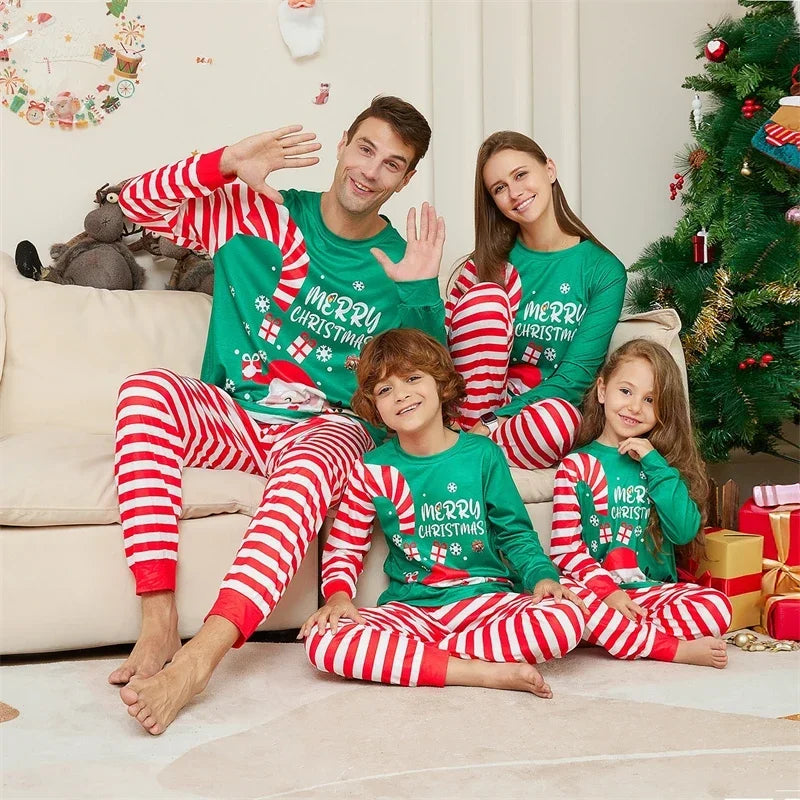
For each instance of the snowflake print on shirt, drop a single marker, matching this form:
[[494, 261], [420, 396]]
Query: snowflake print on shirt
[[549, 354], [565, 287], [397, 539], [229, 385], [233, 291], [246, 327], [594, 519], [455, 549], [452, 487], [323, 353], [593, 545], [637, 531], [262, 304], [358, 286]]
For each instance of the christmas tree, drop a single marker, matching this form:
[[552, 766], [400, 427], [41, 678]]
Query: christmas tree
[[732, 267]]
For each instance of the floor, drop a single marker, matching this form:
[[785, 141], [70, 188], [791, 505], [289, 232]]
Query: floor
[[271, 726]]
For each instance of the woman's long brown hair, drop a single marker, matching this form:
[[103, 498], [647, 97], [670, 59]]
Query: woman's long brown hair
[[672, 435], [495, 234]]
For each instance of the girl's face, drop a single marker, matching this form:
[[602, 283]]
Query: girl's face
[[409, 404], [628, 401], [521, 186]]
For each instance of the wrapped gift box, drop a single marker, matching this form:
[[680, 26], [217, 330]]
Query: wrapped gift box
[[732, 564], [781, 617], [754, 519]]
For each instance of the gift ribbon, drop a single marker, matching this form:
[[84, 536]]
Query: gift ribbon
[[730, 587], [39, 106], [780, 578]]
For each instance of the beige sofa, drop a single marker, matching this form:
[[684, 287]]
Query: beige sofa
[[64, 350]]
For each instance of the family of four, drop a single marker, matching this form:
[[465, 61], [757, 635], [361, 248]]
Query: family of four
[[333, 368]]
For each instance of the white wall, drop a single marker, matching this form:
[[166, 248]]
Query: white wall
[[597, 83]]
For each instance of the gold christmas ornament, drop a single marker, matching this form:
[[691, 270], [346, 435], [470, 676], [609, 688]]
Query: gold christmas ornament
[[750, 643], [745, 170], [742, 638]]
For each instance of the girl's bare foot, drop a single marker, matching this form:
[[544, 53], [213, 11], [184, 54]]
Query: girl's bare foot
[[517, 677], [706, 652], [158, 640]]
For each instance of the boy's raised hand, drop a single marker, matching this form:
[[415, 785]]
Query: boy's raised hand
[[550, 588], [339, 605], [255, 157], [622, 602], [423, 254]]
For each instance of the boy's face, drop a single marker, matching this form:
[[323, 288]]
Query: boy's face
[[372, 167], [409, 404]]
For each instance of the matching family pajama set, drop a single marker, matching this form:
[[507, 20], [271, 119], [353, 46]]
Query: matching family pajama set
[[453, 522], [293, 305], [529, 350], [601, 507]]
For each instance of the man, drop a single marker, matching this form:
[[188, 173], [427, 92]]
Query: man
[[302, 280]]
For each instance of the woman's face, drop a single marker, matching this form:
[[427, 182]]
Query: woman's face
[[521, 186]]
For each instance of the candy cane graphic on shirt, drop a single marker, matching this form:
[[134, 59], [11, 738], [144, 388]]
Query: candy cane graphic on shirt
[[295, 257], [387, 481]]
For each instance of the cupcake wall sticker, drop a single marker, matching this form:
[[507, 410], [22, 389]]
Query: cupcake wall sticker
[[69, 64]]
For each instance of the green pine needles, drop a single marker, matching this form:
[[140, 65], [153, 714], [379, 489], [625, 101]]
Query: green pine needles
[[741, 310]]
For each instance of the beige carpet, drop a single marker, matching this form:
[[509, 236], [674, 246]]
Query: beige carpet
[[270, 726]]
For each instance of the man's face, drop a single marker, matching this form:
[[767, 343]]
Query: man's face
[[371, 167]]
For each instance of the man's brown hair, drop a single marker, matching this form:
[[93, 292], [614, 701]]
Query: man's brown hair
[[404, 120], [401, 351]]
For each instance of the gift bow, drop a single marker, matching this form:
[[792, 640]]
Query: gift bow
[[34, 104], [780, 578]]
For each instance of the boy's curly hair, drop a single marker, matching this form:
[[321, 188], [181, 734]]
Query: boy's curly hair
[[401, 351]]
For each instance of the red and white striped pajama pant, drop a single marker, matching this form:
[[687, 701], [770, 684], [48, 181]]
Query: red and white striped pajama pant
[[480, 337], [166, 422], [410, 645], [674, 611]]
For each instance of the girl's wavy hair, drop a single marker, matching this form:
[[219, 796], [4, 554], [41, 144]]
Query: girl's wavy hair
[[401, 351], [672, 435], [495, 234]]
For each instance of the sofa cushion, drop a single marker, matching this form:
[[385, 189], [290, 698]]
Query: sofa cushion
[[65, 350], [63, 477]]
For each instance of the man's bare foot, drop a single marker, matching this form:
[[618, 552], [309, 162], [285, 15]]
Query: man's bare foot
[[155, 701], [158, 640], [517, 677], [706, 652]]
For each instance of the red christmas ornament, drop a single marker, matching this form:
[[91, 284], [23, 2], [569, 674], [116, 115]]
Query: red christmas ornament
[[750, 106], [703, 251], [716, 50], [749, 361], [767, 358], [742, 365]]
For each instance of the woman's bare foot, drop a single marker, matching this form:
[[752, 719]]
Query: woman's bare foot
[[155, 701], [706, 652], [517, 677], [158, 640]]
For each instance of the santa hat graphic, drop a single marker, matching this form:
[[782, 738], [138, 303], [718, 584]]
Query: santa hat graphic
[[622, 564]]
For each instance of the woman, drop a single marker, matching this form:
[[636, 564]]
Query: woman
[[531, 312]]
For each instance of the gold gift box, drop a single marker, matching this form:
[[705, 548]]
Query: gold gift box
[[732, 564]]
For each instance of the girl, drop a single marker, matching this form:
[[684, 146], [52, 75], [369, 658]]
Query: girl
[[531, 313], [625, 500], [453, 612]]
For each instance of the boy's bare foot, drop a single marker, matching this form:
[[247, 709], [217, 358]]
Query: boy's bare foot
[[706, 652], [155, 701], [517, 677], [158, 640]]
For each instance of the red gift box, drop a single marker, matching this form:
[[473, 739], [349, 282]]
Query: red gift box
[[754, 519], [781, 617]]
